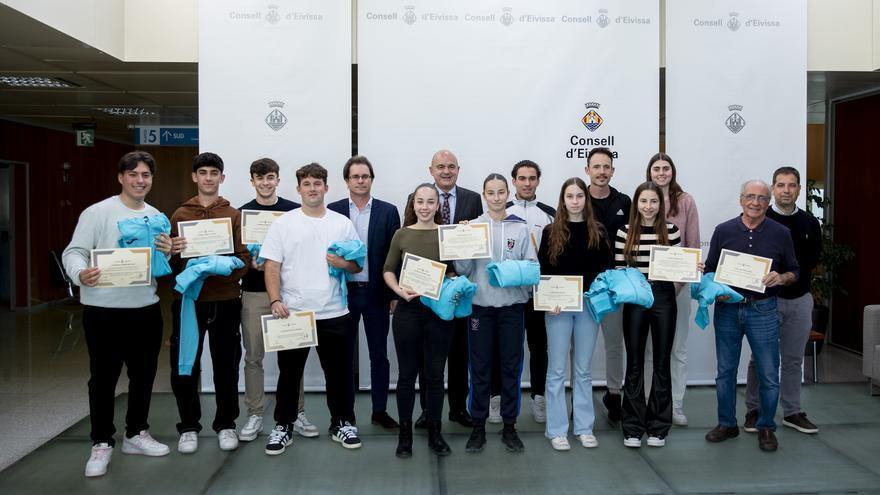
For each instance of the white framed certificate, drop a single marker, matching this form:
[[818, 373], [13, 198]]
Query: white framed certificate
[[294, 332], [465, 241], [560, 291], [742, 270], [255, 224], [123, 267], [674, 264], [422, 275], [206, 237]]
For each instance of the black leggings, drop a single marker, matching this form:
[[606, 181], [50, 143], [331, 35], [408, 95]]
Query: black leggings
[[655, 418], [420, 338]]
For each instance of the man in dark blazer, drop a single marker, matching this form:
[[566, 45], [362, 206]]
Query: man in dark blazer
[[456, 204], [375, 222]]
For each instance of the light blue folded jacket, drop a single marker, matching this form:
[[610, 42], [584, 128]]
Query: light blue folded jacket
[[456, 298], [513, 273], [353, 250], [254, 249], [705, 293], [612, 288], [189, 284], [142, 232]]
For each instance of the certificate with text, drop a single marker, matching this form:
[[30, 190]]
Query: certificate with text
[[123, 267], [674, 264], [742, 270], [255, 224], [294, 332], [465, 241], [422, 275], [560, 291], [206, 237]]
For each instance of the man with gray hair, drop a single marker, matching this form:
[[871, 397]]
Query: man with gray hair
[[755, 317]]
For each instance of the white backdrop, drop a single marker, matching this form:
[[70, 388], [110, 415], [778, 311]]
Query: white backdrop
[[735, 95], [274, 80], [500, 81]]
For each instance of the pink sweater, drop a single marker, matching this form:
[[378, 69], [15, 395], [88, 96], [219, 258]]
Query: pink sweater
[[687, 220]]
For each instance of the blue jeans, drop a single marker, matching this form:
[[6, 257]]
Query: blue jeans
[[759, 322], [559, 332]]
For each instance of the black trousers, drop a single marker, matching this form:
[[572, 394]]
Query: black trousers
[[495, 341], [536, 335], [655, 417], [117, 336], [457, 370], [422, 342], [335, 353], [221, 320]]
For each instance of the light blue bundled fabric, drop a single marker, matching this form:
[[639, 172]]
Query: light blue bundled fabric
[[513, 273], [254, 249], [189, 284], [352, 250], [599, 299], [612, 288], [456, 298], [706, 292], [142, 232]]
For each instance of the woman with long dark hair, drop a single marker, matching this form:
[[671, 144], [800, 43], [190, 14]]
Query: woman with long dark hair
[[573, 244]]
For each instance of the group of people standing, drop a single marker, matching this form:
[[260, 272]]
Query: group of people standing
[[593, 228]]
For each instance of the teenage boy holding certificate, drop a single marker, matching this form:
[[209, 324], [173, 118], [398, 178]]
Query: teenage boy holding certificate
[[297, 279], [121, 324], [217, 312]]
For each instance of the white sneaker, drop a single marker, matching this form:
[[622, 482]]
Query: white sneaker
[[678, 417], [588, 441], [144, 444], [188, 443], [560, 443], [228, 439], [304, 427], [539, 409], [494, 409], [656, 441], [632, 442], [251, 429], [98, 460]]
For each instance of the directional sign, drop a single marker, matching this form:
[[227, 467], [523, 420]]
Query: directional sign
[[166, 136]]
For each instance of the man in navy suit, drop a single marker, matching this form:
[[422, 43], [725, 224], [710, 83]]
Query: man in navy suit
[[375, 222]]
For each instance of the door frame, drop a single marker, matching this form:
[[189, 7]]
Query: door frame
[[20, 173]]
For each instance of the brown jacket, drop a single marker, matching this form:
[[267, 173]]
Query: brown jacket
[[216, 288]]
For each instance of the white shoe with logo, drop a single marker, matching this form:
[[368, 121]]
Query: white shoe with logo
[[98, 460], [227, 439], [560, 443], [144, 444], [539, 409], [304, 427], [494, 409], [251, 429], [188, 443]]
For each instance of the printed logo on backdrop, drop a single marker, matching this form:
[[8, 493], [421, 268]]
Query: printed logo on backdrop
[[602, 19], [276, 119], [273, 16], [506, 17], [735, 121], [580, 146], [409, 16], [733, 23]]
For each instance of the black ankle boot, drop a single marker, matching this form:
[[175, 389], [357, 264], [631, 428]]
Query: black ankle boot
[[435, 439], [404, 440], [510, 439]]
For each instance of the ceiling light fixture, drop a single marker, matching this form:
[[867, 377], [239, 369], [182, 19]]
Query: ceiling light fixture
[[125, 111], [35, 82]]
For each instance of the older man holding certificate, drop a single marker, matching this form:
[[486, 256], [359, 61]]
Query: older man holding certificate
[[738, 246]]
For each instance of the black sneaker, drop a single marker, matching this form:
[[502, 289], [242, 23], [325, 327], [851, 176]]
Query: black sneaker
[[767, 440], [800, 423], [384, 420], [279, 439], [511, 440], [751, 423], [346, 434], [477, 440], [613, 408]]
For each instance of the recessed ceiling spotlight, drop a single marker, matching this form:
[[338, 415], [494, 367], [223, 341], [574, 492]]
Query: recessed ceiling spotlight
[[36, 82], [125, 111]]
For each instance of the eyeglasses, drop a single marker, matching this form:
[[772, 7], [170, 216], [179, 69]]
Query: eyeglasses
[[451, 167], [755, 197], [360, 177]]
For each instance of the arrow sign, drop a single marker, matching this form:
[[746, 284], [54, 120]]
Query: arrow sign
[[166, 136]]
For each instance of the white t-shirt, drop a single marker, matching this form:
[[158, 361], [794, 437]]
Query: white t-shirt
[[299, 242]]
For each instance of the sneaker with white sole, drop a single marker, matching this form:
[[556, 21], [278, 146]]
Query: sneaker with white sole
[[632, 442], [539, 409], [560, 443], [494, 409], [98, 460], [144, 444], [188, 443], [657, 441], [678, 417], [588, 441], [279, 439], [304, 427], [251, 429], [346, 434], [227, 439]]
